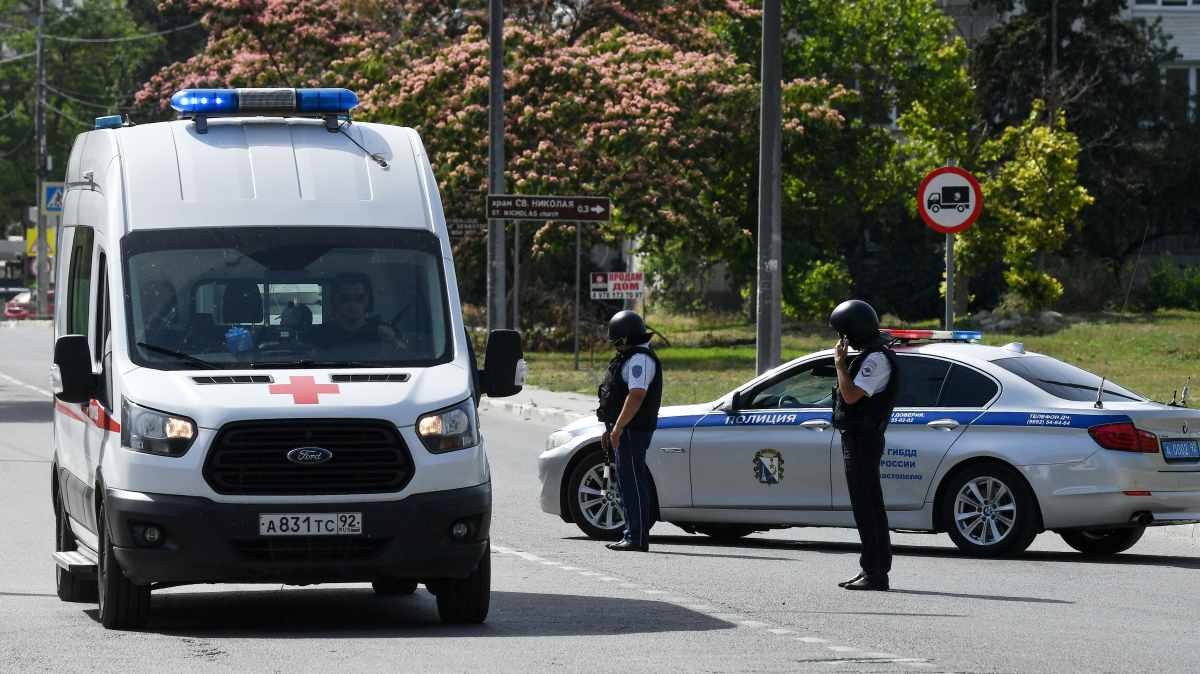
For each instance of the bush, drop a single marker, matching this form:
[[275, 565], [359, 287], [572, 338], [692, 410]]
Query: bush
[[1088, 284], [813, 294], [1167, 286]]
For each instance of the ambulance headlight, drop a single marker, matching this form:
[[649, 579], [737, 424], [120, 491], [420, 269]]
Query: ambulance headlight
[[558, 439], [154, 432], [449, 429]]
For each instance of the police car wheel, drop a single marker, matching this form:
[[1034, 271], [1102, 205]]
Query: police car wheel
[[1103, 541], [595, 503], [989, 512], [725, 532], [70, 587], [394, 586], [466, 600], [123, 604]]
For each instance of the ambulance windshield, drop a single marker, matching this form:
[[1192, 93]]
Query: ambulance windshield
[[262, 297]]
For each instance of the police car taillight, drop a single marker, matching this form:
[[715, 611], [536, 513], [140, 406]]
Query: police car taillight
[[935, 335], [1124, 437]]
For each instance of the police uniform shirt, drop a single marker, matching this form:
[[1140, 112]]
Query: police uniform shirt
[[638, 371], [874, 374]]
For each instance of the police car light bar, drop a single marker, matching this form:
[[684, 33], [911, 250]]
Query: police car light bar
[[936, 335], [199, 104]]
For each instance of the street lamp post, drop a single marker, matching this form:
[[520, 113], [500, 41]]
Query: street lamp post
[[495, 238], [769, 342]]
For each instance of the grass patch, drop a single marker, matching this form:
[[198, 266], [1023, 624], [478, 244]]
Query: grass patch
[[1148, 354]]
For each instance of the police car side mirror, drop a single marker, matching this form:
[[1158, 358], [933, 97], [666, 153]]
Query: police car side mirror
[[71, 377], [504, 369], [735, 404]]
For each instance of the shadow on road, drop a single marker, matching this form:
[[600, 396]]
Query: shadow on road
[[354, 612], [830, 547], [26, 412], [988, 597]]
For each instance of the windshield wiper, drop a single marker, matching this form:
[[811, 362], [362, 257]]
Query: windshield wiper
[[304, 364], [181, 355]]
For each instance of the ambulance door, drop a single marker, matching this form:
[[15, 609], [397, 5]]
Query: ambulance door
[[102, 432], [71, 418], [920, 433], [773, 453]]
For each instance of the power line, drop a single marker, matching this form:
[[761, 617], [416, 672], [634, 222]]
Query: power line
[[81, 123], [18, 57], [12, 112], [87, 103], [122, 39]]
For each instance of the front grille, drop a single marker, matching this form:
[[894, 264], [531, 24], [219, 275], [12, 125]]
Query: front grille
[[302, 549], [250, 458]]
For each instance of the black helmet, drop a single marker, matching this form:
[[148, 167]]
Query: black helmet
[[626, 327], [856, 320]]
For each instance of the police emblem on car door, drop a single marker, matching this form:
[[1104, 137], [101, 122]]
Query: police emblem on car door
[[783, 419], [768, 466]]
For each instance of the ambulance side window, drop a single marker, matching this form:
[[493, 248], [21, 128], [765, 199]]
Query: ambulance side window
[[103, 346], [79, 283], [101, 301]]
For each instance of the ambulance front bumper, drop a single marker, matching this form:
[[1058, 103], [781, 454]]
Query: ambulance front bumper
[[208, 542]]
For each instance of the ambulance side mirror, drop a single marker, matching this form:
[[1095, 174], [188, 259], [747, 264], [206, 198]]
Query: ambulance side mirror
[[504, 369], [71, 377]]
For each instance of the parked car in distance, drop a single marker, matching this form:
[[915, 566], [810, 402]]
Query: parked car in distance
[[18, 307]]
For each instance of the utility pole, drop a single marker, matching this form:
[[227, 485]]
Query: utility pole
[[516, 317], [769, 337], [43, 248], [495, 243]]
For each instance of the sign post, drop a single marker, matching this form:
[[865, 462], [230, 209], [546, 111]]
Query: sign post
[[555, 209], [50, 198], [949, 200]]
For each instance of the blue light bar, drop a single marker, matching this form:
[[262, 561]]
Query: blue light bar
[[967, 335], [325, 100], [205, 101], [215, 102], [109, 122]]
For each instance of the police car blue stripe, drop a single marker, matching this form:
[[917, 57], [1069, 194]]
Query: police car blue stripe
[[1049, 419]]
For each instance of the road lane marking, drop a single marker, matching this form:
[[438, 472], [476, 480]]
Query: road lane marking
[[31, 387], [847, 654]]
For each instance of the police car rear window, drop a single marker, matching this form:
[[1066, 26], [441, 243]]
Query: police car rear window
[[1063, 380]]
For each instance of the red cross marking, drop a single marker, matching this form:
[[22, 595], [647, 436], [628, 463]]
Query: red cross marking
[[304, 390]]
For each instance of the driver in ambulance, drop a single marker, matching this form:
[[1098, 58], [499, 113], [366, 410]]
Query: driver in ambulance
[[352, 299]]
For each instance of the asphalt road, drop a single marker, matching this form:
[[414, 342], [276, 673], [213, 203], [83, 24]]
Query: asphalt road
[[562, 602]]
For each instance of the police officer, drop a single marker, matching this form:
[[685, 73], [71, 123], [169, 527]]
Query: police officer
[[863, 401], [629, 400]]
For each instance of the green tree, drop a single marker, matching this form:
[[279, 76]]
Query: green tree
[[1033, 199]]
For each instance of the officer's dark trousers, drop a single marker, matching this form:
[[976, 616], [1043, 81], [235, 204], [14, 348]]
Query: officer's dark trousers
[[861, 453], [635, 490]]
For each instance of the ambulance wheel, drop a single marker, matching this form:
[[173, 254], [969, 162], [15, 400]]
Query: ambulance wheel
[[1103, 541], [123, 604], [394, 586], [724, 532], [597, 514], [71, 587], [466, 600], [989, 511]]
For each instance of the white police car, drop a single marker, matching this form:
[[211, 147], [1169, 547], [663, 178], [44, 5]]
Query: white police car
[[992, 445]]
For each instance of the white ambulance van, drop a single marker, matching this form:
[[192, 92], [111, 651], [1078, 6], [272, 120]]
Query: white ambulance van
[[261, 368]]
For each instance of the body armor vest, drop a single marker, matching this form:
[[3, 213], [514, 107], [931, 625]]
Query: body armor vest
[[613, 392], [871, 413]]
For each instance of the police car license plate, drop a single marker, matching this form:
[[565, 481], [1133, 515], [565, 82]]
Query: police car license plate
[[310, 524], [1181, 449]]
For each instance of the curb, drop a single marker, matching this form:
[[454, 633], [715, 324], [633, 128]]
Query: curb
[[531, 412], [1188, 531]]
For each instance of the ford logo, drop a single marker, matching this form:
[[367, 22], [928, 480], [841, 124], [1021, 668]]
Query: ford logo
[[309, 456]]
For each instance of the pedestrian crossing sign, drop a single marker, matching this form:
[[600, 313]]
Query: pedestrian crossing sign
[[52, 198]]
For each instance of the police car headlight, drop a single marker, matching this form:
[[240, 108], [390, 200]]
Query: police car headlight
[[558, 439], [153, 432], [449, 429]]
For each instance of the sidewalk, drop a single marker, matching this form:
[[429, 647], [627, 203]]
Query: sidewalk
[[538, 404]]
